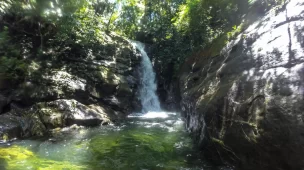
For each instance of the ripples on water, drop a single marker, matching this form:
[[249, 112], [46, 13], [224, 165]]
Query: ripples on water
[[153, 141]]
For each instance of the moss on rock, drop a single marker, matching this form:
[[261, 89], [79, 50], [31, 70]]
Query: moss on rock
[[17, 158]]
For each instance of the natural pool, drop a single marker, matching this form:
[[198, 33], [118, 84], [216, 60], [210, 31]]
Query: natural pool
[[154, 141]]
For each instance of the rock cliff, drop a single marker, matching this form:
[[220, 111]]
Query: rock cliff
[[89, 86], [246, 104]]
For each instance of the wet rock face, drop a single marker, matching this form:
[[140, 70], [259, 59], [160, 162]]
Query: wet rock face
[[62, 113], [107, 73], [102, 81], [9, 127], [39, 119], [246, 105], [3, 102]]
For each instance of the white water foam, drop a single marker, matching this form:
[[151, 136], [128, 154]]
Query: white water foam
[[147, 92]]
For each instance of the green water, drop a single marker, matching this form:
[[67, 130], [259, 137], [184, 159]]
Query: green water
[[137, 144]]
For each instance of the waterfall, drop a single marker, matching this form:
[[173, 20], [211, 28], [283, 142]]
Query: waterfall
[[147, 92]]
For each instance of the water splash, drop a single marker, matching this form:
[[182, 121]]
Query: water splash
[[152, 115], [147, 92]]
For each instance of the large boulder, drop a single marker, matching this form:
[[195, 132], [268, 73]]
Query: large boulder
[[61, 113], [246, 104], [10, 127], [43, 117], [13, 125]]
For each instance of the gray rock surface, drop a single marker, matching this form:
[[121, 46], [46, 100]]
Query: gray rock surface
[[247, 104], [97, 87], [102, 75], [9, 127], [61, 113]]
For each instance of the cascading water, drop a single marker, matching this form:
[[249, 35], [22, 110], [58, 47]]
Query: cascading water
[[149, 99], [152, 140]]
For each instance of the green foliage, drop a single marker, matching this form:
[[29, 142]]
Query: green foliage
[[236, 30], [58, 29], [12, 68]]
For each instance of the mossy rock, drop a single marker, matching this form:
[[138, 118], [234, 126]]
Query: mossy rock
[[10, 127], [19, 158]]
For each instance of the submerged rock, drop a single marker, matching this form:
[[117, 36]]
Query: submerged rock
[[246, 104], [17, 158]]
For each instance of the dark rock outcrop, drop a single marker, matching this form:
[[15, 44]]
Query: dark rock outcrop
[[10, 127], [42, 117], [3, 102], [246, 104]]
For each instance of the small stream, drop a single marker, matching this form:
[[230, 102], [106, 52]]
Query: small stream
[[156, 140]]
